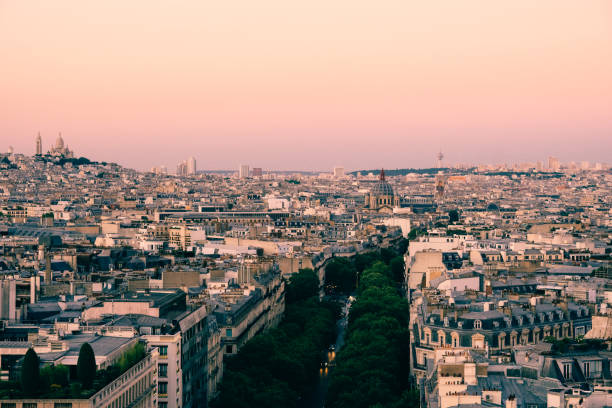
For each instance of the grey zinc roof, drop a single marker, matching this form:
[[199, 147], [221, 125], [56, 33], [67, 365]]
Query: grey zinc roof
[[491, 314], [528, 392]]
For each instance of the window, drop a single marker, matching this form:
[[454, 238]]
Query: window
[[477, 324], [229, 349], [162, 370], [567, 370], [163, 350], [62, 405], [162, 388], [30, 405], [162, 405], [228, 332], [8, 405], [592, 369]]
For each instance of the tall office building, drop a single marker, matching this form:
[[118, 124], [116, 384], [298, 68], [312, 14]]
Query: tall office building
[[257, 172], [338, 172], [181, 168], [38, 145], [191, 165], [243, 171], [553, 164]]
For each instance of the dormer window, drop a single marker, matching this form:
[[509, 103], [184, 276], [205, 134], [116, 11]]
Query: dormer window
[[460, 324], [496, 324], [520, 320], [477, 324], [567, 370], [550, 316], [446, 323], [578, 312]]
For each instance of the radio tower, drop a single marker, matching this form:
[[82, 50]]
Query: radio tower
[[440, 157]]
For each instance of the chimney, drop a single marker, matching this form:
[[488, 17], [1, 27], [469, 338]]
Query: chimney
[[469, 373], [511, 401], [48, 274]]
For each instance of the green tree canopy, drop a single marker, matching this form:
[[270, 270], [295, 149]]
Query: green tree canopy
[[340, 275], [86, 366], [372, 366], [30, 373], [303, 285]]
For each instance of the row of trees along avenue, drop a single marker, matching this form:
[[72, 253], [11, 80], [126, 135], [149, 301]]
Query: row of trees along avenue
[[373, 366], [280, 366]]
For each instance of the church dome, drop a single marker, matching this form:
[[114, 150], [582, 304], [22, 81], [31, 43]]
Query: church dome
[[382, 187]]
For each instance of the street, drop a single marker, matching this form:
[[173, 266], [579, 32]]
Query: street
[[317, 398]]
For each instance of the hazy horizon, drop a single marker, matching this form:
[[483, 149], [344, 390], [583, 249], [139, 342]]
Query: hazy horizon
[[308, 86]]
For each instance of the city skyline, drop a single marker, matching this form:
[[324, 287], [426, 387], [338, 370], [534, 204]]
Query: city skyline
[[188, 167], [309, 86]]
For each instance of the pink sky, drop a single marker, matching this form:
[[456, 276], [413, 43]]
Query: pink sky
[[308, 84]]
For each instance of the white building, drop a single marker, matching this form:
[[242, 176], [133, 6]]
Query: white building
[[191, 165], [243, 171]]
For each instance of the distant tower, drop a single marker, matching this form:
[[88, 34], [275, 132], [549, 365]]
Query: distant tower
[[440, 157], [181, 168], [243, 171], [191, 165], [59, 142], [11, 150], [38, 145]]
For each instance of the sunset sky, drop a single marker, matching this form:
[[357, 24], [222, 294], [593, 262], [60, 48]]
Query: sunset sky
[[284, 84]]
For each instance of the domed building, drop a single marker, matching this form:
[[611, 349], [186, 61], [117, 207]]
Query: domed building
[[59, 149], [382, 197]]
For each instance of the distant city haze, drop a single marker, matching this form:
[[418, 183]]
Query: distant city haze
[[308, 85]]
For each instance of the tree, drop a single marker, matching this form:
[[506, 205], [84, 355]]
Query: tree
[[372, 366], [86, 366], [453, 216], [414, 233], [397, 268], [402, 246], [386, 255], [30, 373], [340, 275], [302, 285], [54, 377]]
